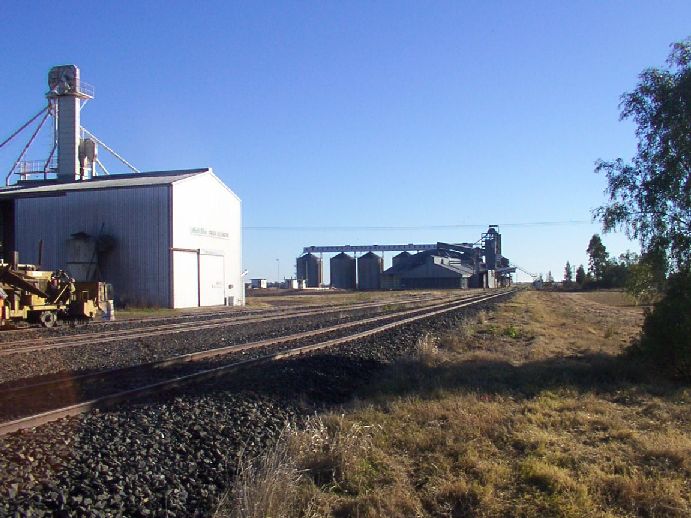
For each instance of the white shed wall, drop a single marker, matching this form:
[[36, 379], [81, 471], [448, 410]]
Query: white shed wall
[[138, 218], [206, 217]]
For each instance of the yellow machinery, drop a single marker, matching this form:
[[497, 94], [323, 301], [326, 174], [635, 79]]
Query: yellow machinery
[[35, 296]]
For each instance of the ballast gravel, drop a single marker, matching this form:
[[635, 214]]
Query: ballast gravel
[[134, 351], [175, 454]]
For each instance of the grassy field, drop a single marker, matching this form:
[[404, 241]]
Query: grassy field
[[610, 297], [531, 410]]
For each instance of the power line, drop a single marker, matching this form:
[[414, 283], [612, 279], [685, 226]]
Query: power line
[[419, 227]]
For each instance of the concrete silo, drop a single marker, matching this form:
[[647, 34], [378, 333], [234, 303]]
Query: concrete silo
[[343, 271]]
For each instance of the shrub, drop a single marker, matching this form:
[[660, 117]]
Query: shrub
[[667, 328]]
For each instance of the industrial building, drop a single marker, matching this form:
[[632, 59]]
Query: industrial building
[[429, 269], [258, 284], [434, 266], [162, 238]]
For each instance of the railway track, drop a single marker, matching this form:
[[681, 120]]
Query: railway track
[[124, 384], [28, 345], [6, 335]]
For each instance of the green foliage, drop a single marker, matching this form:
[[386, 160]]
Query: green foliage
[[667, 329], [512, 332], [650, 198], [605, 272], [615, 275], [580, 276], [598, 257], [646, 278], [568, 273]]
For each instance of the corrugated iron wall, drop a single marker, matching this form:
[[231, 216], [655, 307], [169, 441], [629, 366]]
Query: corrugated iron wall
[[138, 218]]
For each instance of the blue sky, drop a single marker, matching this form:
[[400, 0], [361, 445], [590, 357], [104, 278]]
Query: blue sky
[[359, 122]]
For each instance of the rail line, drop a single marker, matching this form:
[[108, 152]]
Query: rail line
[[49, 343], [217, 351], [216, 313], [401, 318]]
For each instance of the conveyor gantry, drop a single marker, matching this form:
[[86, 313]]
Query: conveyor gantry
[[386, 248]]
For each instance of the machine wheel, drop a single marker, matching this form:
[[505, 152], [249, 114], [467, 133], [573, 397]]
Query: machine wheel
[[48, 318]]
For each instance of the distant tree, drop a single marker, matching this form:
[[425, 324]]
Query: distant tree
[[549, 278], [580, 276], [568, 273], [615, 275], [598, 257]]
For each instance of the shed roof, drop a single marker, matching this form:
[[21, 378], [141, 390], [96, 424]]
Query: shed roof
[[424, 260], [52, 187]]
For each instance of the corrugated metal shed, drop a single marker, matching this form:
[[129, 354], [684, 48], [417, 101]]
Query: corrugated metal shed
[[175, 235], [429, 270], [50, 187]]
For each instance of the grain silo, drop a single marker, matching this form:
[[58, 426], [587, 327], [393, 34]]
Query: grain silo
[[369, 268], [309, 269], [343, 271]]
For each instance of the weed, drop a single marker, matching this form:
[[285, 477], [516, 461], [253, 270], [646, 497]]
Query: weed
[[512, 332], [427, 349]]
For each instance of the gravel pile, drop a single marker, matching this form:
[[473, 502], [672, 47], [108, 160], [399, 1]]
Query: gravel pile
[[173, 455]]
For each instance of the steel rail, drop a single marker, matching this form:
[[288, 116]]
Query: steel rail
[[162, 386], [76, 340], [215, 317], [218, 351], [216, 314], [169, 329], [219, 313]]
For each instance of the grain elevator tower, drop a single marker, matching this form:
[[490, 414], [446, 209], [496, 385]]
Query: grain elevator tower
[[67, 94]]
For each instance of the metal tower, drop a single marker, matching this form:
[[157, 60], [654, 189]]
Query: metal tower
[[67, 94]]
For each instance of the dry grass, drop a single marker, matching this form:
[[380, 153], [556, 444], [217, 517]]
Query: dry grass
[[530, 410], [617, 298], [259, 298]]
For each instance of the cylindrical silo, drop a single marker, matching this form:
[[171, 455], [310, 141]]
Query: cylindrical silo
[[309, 269], [369, 268], [343, 271]]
